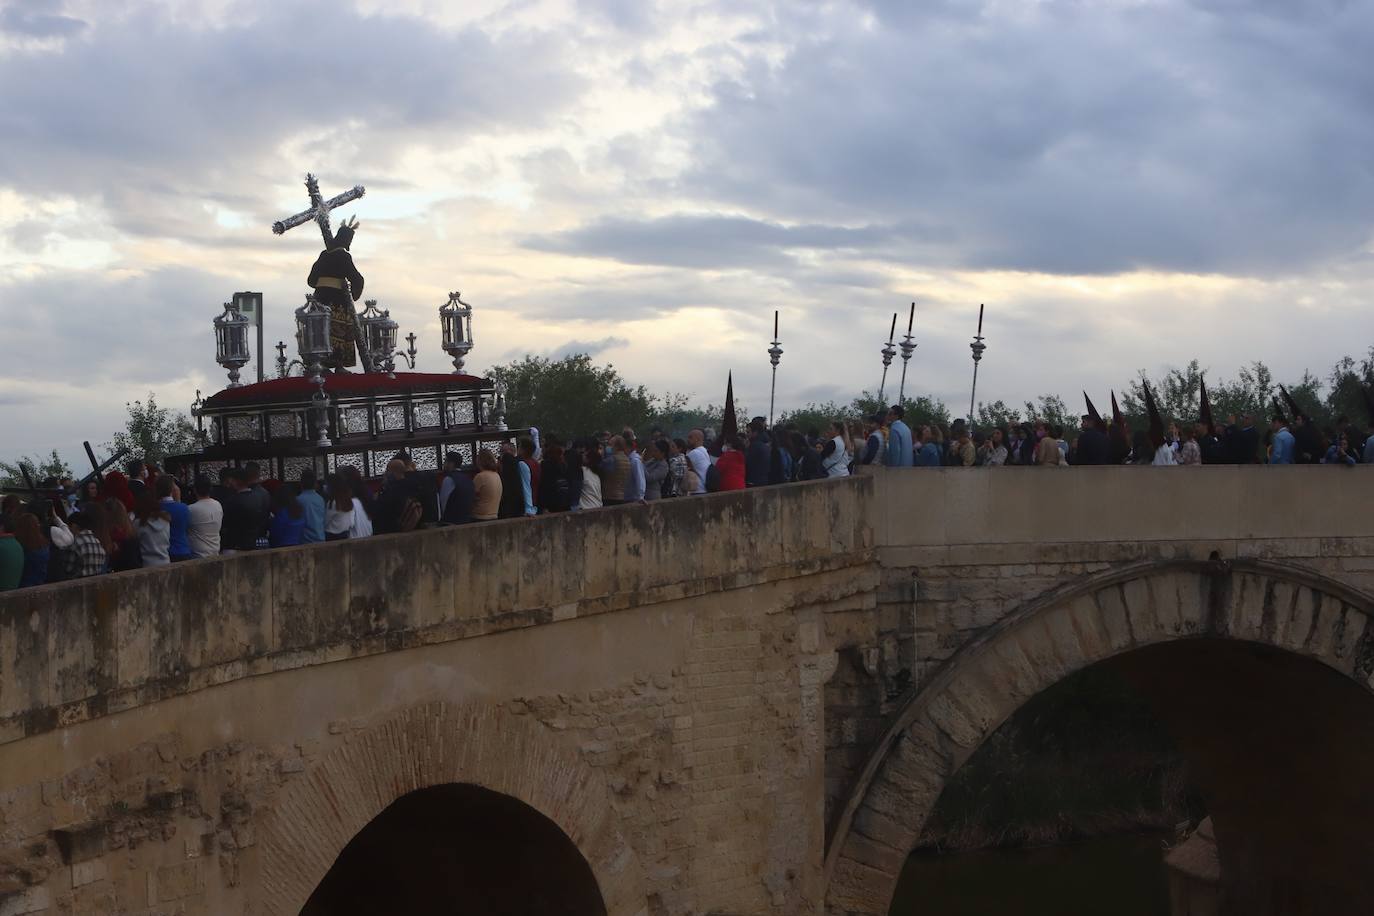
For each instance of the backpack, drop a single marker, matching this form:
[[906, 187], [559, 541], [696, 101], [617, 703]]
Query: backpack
[[410, 515], [713, 479]]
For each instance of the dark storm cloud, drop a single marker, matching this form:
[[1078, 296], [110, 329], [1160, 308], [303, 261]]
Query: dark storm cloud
[[147, 114], [1064, 137], [706, 241]]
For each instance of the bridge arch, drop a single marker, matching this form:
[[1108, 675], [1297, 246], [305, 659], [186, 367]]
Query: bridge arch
[[428, 747], [1087, 621]]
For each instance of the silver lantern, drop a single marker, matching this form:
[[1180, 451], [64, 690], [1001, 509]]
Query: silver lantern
[[313, 326], [379, 329], [455, 319], [231, 341]]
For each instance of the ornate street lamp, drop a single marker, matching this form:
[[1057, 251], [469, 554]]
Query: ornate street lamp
[[888, 352], [977, 347], [231, 341], [774, 357], [313, 322], [908, 347], [455, 319]]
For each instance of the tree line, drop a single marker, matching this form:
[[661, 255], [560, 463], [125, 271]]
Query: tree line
[[574, 396]]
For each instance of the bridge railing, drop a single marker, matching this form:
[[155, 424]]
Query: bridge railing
[[942, 507], [77, 650]]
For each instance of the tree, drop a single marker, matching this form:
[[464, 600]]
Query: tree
[[997, 414], [40, 469], [572, 397], [1052, 409], [814, 417], [676, 419], [153, 433]]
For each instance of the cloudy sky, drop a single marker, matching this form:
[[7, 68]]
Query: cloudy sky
[[1125, 183]]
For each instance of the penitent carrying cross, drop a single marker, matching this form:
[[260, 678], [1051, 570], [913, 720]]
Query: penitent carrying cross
[[319, 209]]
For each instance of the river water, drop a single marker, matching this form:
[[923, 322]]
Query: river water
[[1110, 876]]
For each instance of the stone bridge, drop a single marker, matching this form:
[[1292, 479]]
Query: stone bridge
[[744, 703]]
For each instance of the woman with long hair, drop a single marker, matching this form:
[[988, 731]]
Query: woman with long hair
[[338, 511], [154, 528], [28, 531], [835, 454], [288, 518], [123, 538], [117, 486], [90, 494]]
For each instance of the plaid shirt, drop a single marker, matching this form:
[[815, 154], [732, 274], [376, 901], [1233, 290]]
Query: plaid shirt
[[91, 557]]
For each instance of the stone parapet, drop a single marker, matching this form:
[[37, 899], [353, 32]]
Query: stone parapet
[[84, 649]]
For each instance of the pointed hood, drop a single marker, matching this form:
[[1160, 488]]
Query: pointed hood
[[1118, 418], [729, 423], [1368, 393], [1098, 422], [1156, 421], [1205, 408], [1293, 409], [1275, 406]]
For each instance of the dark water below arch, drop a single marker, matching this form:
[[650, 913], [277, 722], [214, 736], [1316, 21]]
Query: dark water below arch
[[1109, 876]]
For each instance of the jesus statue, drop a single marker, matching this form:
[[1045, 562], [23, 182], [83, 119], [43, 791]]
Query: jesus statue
[[336, 280]]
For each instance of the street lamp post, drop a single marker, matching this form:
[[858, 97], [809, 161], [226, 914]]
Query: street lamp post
[[908, 348], [774, 357], [977, 347], [888, 352]]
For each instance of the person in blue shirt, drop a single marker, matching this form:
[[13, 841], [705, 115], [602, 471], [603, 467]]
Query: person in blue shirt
[[288, 519], [928, 455], [169, 499], [900, 453], [1340, 452], [1283, 447], [312, 504]]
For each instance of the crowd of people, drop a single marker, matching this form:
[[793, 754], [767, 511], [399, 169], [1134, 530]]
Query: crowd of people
[[151, 516], [885, 439]]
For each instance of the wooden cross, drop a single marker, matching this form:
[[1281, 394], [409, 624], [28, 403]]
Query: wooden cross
[[319, 209]]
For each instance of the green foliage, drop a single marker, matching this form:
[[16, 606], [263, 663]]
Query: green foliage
[[40, 469], [1083, 758], [1346, 379], [676, 419], [1048, 407], [153, 433], [815, 416], [920, 411], [572, 397], [1252, 391]]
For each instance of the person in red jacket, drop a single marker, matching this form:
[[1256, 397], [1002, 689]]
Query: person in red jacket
[[731, 464]]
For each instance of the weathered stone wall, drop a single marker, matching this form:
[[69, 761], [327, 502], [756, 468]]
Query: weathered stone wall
[[719, 674], [170, 730], [1023, 576]]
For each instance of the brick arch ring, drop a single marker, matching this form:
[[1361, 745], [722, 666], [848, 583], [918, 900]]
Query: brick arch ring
[[431, 744], [1085, 621]]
